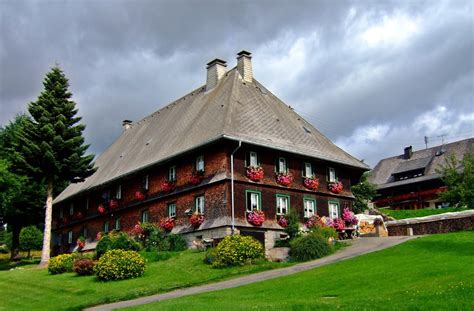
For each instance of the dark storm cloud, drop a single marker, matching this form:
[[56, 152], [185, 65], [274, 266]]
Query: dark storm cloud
[[125, 59]]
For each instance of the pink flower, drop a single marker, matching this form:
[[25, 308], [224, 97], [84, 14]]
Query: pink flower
[[256, 218], [282, 221], [311, 183], [255, 173], [101, 209], [168, 186], [284, 179], [336, 187], [196, 220], [314, 221], [140, 196], [167, 223], [338, 223]]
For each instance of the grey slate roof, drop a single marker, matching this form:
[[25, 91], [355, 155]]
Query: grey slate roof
[[382, 174], [232, 110]]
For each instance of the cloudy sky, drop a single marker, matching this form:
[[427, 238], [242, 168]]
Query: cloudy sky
[[374, 76]]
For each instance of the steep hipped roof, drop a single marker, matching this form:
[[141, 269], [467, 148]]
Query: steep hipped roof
[[233, 109], [428, 159]]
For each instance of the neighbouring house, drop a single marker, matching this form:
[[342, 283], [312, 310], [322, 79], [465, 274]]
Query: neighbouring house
[[206, 163], [410, 180]]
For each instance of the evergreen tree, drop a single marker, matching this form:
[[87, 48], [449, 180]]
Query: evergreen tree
[[363, 192], [53, 146]]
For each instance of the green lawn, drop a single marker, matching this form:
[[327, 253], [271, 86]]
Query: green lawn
[[429, 273], [403, 214], [31, 288]]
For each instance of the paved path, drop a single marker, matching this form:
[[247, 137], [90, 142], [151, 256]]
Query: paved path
[[359, 247]]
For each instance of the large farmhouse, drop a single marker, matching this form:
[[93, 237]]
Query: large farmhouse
[[209, 160], [411, 180]]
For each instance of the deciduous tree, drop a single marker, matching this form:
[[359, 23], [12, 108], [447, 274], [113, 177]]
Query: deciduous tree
[[459, 178], [363, 192]]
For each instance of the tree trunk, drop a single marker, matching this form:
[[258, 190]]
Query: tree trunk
[[47, 225], [15, 240]]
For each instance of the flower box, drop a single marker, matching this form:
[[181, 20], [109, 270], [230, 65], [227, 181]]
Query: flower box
[[101, 209], [139, 195], [314, 221], [311, 183], [256, 218], [336, 187], [255, 173], [196, 220], [282, 221], [167, 224], [168, 186], [113, 204], [284, 179], [81, 243], [195, 178]]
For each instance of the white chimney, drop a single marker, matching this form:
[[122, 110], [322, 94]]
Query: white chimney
[[216, 69], [126, 124], [244, 65]]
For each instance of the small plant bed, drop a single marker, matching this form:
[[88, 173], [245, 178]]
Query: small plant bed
[[403, 214]]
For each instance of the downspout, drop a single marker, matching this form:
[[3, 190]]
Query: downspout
[[232, 184]]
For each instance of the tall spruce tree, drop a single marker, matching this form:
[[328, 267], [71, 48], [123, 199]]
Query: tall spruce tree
[[53, 147]]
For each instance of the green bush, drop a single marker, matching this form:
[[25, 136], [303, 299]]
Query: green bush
[[293, 227], [311, 246], [31, 238], [155, 240], [325, 232], [116, 240], [120, 264], [84, 266], [210, 257], [62, 263], [176, 242], [237, 250]]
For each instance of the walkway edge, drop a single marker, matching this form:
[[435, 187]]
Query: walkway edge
[[360, 247]]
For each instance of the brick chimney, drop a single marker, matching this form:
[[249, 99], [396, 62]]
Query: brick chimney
[[126, 124], [244, 65], [216, 69]]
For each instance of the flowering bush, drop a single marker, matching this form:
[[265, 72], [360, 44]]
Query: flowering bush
[[116, 240], [283, 222], [196, 220], [84, 266], [237, 250], [338, 223], [336, 187], [101, 209], [311, 183], [284, 179], [167, 223], [139, 195], [255, 173], [81, 242], [349, 217], [62, 263], [195, 178], [119, 264], [315, 221], [327, 220], [168, 186], [256, 217], [113, 204]]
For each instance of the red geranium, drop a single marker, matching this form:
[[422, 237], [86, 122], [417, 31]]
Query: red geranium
[[338, 223], [256, 218], [284, 179], [101, 209], [195, 178], [81, 242], [168, 186], [167, 223], [282, 221], [336, 187], [196, 220], [312, 183], [139, 195], [113, 204], [255, 173]]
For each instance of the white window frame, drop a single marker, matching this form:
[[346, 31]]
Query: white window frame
[[333, 208], [117, 224], [71, 209], [200, 164], [106, 226], [253, 159], [145, 216], [172, 173], [145, 182], [199, 204], [172, 210], [332, 175], [308, 170], [309, 210], [282, 165], [69, 237], [255, 201], [118, 192], [282, 204]]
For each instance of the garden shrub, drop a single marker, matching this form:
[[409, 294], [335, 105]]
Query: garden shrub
[[282, 243], [210, 256], [116, 240], [84, 266], [62, 263], [293, 227], [177, 242], [325, 232], [237, 250], [311, 246], [120, 264]]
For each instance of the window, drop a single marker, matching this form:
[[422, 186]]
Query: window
[[106, 226], [282, 204], [117, 223], [253, 159], [199, 204], [145, 216], [172, 173], [200, 164], [282, 167], [69, 237], [145, 184], [253, 200], [71, 209], [118, 192], [333, 209], [84, 232], [106, 195], [309, 206], [172, 210], [332, 175], [308, 170]]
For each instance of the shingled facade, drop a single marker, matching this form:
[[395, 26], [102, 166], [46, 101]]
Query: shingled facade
[[411, 180], [223, 150]]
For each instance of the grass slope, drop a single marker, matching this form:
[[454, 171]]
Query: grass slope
[[429, 273], [403, 214], [31, 288]]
